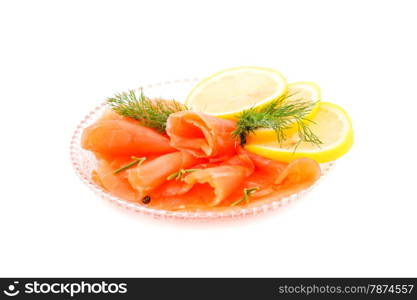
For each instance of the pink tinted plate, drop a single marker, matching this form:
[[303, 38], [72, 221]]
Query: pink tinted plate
[[84, 162]]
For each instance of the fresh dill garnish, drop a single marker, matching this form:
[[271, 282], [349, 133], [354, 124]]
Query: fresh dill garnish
[[278, 115], [136, 160], [246, 193], [150, 112], [180, 174]]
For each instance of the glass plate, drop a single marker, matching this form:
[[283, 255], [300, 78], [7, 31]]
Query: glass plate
[[84, 162]]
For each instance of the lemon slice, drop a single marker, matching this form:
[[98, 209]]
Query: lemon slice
[[297, 91], [305, 92], [229, 92], [332, 126]]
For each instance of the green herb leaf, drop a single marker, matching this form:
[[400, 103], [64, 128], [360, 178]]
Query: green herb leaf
[[279, 116], [246, 193], [180, 174], [150, 112], [135, 161]]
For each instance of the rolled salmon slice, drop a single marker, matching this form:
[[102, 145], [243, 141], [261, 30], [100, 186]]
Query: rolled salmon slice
[[272, 169], [115, 184], [150, 175], [123, 137], [200, 134], [277, 179], [224, 179], [179, 187], [204, 188], [299, 175]]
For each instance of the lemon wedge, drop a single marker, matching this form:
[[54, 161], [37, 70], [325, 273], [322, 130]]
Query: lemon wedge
[[307, 92], [229, 92], [332, 125]]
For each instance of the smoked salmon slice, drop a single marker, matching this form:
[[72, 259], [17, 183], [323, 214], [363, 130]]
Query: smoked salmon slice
[[195, 198], [298, 175], [200, 134], [272, 169], [123, 137], [224, 179], [116, 184], [152, 174], [207, 186]]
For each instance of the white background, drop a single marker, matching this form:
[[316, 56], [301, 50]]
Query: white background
[[59, 59]]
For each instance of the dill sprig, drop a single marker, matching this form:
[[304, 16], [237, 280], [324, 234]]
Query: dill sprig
[[278, 115], [150, 112], [179, 175]]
